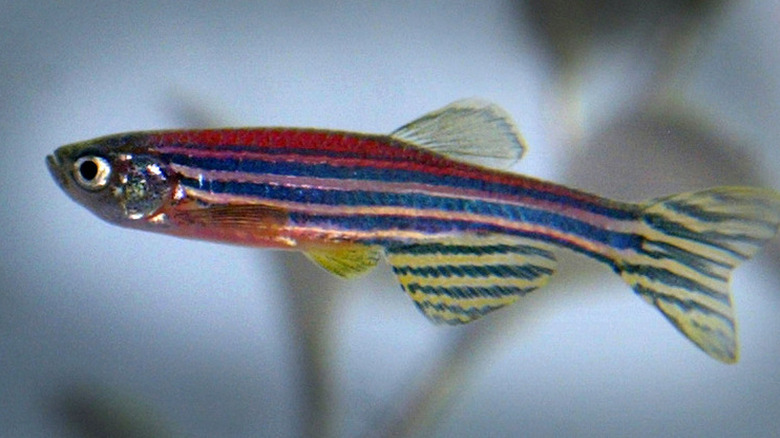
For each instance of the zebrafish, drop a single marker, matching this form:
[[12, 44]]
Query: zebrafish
[[462, 238]]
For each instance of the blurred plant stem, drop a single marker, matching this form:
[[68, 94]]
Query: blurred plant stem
[[444, 382], [310, 316], [661, 39], [309, 311], [90, 410]]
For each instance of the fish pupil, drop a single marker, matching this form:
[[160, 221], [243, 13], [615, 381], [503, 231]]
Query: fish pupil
[[88, 170]]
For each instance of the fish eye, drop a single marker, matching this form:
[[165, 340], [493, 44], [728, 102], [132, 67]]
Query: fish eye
[[92, 172]]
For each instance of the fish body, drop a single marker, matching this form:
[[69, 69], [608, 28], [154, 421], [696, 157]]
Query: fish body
[[463, 238]]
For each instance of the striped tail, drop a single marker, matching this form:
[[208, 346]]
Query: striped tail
[[690, 244]]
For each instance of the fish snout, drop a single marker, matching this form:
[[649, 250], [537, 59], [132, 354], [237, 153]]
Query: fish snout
[[55, 165]]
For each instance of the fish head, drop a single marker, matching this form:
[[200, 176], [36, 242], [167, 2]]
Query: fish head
[[118, 178]]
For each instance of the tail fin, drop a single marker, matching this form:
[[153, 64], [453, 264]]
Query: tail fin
[[691, 242]]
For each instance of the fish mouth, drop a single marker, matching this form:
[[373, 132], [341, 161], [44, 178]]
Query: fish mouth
[[54, 163]]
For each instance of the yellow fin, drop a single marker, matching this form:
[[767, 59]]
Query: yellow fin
[[691, 242], [345, 260], [458, 279]]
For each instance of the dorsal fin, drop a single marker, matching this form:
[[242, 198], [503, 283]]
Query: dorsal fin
[[457, 279], [470, 130]]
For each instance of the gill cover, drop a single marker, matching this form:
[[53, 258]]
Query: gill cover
[[142, 186]]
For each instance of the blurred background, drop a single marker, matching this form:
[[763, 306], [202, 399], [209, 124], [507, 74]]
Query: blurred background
[[112, 332]]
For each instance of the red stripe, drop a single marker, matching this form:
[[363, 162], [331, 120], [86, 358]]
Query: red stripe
[[377, 151]]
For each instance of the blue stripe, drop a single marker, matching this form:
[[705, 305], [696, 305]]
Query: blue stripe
[[457, 249], [470, 313], [441, 226], [467, 292], [673, 279], [714, 239], [684, 304], [365, 173], [415, 200], [525, 272]]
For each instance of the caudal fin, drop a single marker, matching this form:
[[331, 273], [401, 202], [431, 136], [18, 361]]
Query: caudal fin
[[691, 242]]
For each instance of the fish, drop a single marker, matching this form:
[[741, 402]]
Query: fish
[[463, 235]]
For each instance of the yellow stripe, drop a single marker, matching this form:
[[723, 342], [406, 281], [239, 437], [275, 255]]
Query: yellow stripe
[[468, 281], [467, 259], [682, 294], [694, 247], [686, 271], [444, 290], [463, 303]]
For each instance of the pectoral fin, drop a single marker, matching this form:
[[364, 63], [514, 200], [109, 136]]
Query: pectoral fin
[[459, 279], [249, 216], [345, 260]]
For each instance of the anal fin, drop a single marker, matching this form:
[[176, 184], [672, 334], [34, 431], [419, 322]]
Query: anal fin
[[458, 279]]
